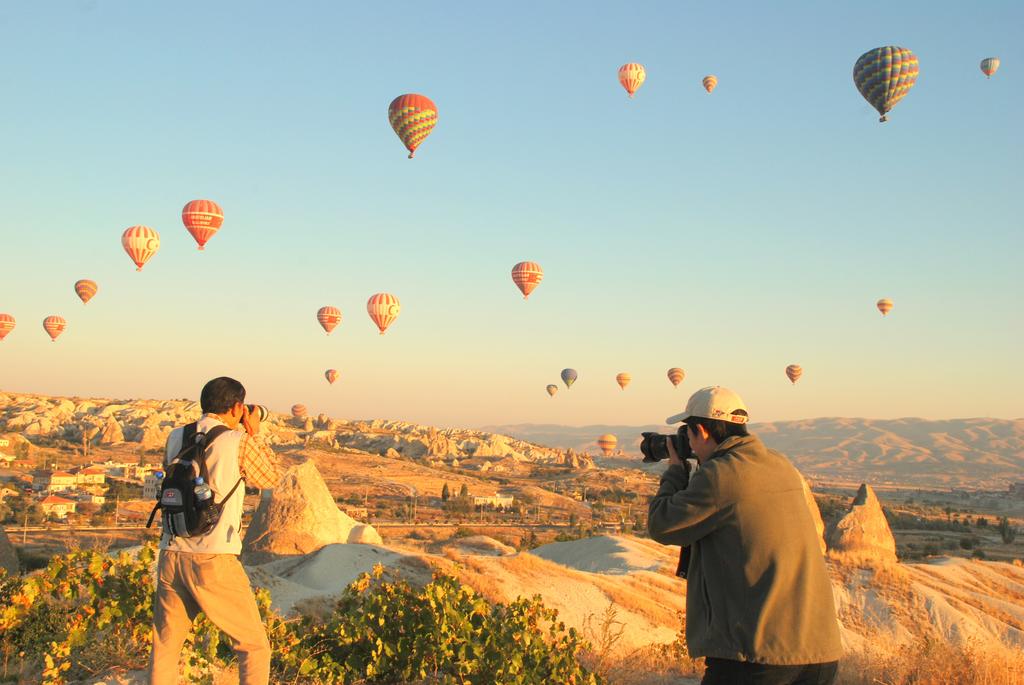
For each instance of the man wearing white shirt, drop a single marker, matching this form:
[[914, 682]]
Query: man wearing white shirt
[[203, 573]]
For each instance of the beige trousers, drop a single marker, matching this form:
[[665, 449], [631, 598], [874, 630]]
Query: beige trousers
[[217, 585]]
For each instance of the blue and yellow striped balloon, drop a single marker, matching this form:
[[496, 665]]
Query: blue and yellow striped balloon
[[884, 76]]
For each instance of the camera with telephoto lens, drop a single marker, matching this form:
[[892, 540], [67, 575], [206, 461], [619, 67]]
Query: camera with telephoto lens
[[258, 411], [654, 446]]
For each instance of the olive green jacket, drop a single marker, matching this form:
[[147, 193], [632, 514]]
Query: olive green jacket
[[757, 587]]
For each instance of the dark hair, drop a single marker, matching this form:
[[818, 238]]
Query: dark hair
[[719, 430], [220, 395]]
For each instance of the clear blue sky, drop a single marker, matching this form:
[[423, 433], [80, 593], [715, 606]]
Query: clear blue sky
[[730, 234]]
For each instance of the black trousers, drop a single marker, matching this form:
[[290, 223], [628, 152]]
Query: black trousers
[[729, 672]]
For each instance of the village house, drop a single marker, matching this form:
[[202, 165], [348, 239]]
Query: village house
[[151, 485], [90, 497], [358, 513], [25, 464], [6, 459], [92, 475], [496, 500], [55, 505], [53, 481], [6, 492]]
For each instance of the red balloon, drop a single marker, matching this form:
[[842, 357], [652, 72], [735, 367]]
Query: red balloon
[[7, 324], [202, 218], [54, 326], [527, 276], [329, 318]]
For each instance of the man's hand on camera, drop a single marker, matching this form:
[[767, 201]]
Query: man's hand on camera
[[251, 422], [673, 458]]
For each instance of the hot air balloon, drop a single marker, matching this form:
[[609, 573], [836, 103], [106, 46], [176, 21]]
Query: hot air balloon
[[527, 276], [884, 76], [299, 411], [202, 218], [383, 309], [552, 389], [989, 66], [569, 377], [623, 379], [331, 375], [607, 443], [329, 318], [710, 81], [54, 326], [7, 324], [413, 117], [793, 372], [884, 305], [676, 375], [86, 289], [141, 243], [632, 76]]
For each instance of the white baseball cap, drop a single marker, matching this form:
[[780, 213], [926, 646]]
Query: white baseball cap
[[713, 402]]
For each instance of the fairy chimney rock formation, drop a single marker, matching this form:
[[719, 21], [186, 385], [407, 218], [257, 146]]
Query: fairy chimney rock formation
[[111, 432], [863, 533], [299, 516]]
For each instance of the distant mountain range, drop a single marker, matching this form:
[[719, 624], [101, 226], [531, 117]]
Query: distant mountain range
[[987, 453]]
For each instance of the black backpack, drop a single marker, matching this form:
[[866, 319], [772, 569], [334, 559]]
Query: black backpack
[[182, 517]]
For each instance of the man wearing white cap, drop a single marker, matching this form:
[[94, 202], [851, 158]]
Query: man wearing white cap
[[759, 602]]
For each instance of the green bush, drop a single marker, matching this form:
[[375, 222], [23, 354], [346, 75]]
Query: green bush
[[87, 612]]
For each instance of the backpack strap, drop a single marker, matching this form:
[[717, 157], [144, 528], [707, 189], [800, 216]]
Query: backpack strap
[[200, 457], [230, 492]]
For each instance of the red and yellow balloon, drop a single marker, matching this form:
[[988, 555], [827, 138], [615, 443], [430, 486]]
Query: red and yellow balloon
[[413, 117], [383, 309]]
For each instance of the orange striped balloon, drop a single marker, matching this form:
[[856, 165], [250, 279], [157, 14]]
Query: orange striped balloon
[[623, 379], [793, 372], [884, 305], [710, 81], [54, 326], [202, 218], [329, 318], [383, 308], [331, 375], [632, 76], [86, 289], [141, 243], [552, 389], [7, 324], [527, 276], [607, 443], [413, 117], [299, 411], [676, 375]]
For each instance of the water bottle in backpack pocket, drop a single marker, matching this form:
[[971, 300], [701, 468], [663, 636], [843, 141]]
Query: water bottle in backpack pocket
[[186, 499]]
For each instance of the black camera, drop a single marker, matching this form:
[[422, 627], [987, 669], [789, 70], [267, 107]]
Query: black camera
[[654, 446]]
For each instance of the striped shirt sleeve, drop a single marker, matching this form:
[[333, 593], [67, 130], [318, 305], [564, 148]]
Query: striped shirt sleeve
[[258, 463]]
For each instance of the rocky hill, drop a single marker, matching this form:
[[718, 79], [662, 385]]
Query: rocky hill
[[48, 420], [958, 452]]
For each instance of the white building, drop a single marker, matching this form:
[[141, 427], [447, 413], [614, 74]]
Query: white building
[[150, 486], [496, 500]]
